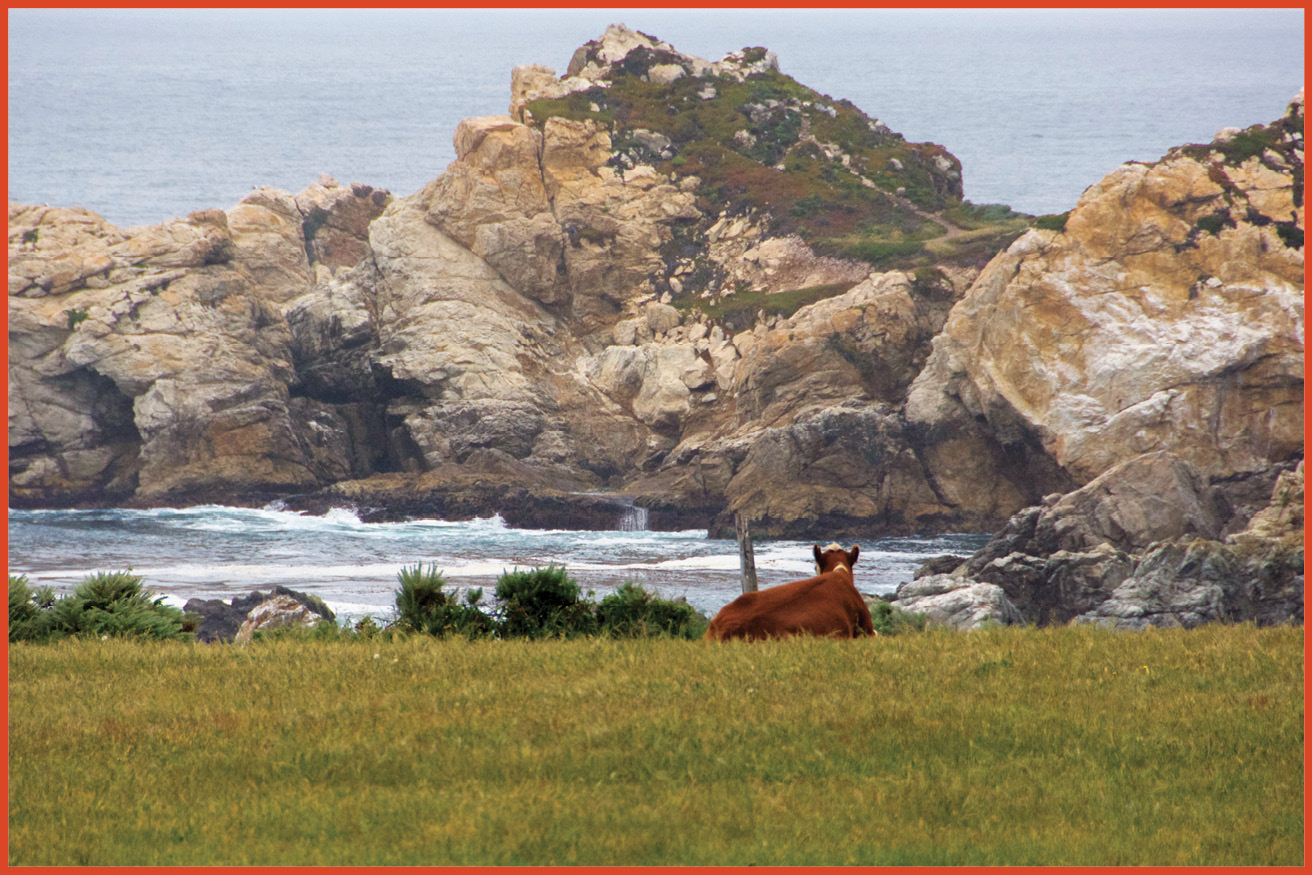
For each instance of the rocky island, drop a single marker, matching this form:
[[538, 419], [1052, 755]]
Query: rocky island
[[707, 290]]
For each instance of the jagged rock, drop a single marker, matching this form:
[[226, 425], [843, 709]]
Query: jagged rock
[[956, 602], [188, 361], [655, 381], [448, 326], [493, 201], [840, 471], [1141, 545], [275, 613], [221, 621], [1167, 315], [945, 564], [333, 340], [269, 242], [661, 317], [869, 341], [1154, 497], [1253, 575], [451, 431], [335, 221]]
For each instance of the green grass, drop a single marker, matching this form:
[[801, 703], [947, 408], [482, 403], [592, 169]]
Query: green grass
[[747, 304], [1007, 746]]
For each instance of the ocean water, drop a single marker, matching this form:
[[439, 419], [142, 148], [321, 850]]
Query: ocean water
[[146, 114], [221, 552]]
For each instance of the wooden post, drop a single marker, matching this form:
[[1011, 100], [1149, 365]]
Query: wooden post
[[746, 559]]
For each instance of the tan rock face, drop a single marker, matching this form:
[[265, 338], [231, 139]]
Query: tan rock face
[[492, 200], [550, 217], [1167, 315], [154, 361], [868, 342], [273, 613], [336, 221]]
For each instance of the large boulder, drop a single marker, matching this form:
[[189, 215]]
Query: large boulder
[[275, 613], [957, 602], [222, 621]]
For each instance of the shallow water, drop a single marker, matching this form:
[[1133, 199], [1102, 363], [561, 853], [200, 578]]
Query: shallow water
[[220, 552]]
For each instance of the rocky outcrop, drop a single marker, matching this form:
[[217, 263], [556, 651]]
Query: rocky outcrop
[[1144, 544], [278, 612], [223, 621], [1253, 575], [1166, 315], [155, 362], [957, 603]]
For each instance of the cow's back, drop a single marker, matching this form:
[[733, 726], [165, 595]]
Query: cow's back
[[824, 605]]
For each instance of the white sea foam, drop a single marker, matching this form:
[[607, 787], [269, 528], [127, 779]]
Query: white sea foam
[[219, 552]]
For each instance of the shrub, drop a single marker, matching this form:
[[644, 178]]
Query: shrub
[[27, 619], [424, 607], [1055, 222], [632, 612], [544, 602], [107, 603], [889, 619], [878, 252], [536, 603]]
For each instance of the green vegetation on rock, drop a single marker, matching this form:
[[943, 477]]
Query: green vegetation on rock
[[817, 167], [741, 308]]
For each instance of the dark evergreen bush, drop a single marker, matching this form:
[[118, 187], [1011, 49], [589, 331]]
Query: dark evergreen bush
[[107, 603], [544, 602], [423, 606], [633, 612], [28, 619]]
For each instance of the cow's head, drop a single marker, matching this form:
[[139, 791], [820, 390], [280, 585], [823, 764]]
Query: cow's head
[[834, 556]]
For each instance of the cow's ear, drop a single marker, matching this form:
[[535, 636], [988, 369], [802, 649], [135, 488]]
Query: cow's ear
[[818, 554], [852, 554]]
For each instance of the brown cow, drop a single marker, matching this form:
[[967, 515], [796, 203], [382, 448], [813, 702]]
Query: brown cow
[[827, 604]]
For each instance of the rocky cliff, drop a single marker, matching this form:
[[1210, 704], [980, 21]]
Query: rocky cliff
[[1167, 314], [700, 286]]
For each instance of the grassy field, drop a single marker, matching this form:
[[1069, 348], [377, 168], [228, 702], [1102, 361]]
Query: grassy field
[[1007, 746]]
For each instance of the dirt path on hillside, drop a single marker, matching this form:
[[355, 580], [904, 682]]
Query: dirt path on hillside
[[950, 230]]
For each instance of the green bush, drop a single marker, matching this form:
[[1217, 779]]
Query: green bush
[[424, 607], [632, 612], [544, 602], [536, 603], [107, 603], [1056, 222], [28, 619], [889, 619]]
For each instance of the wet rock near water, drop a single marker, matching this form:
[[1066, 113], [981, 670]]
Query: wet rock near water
[[223, 621], [957, 603], [1143, 546]]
